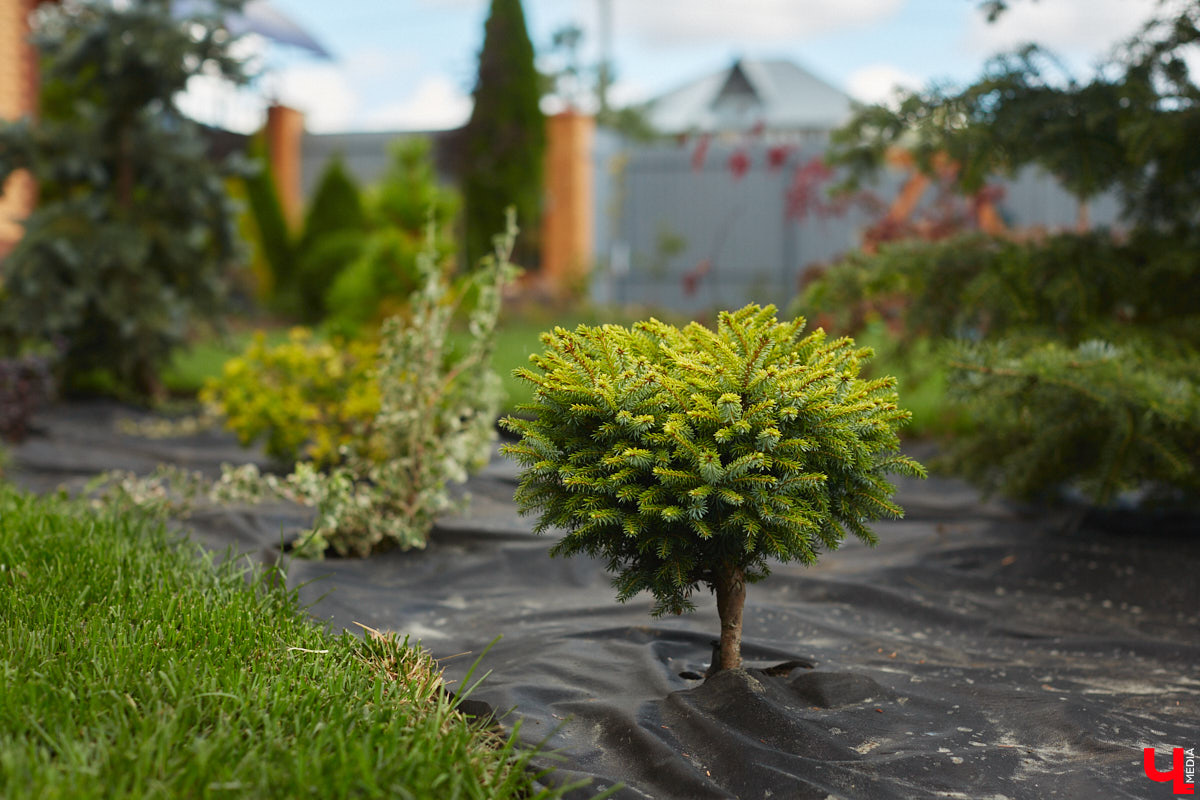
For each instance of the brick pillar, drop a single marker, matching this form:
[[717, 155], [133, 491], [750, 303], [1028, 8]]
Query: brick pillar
[[285, 132], [567, 233], [18, 98]]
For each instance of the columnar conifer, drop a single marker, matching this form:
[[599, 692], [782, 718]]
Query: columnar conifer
[[504, 142]]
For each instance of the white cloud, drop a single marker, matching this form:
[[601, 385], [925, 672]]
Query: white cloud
[[696, 21], [322, 92], [1080, 28], [377, 63], [213, 101], [628, 92], [435, 104], [877, 83]]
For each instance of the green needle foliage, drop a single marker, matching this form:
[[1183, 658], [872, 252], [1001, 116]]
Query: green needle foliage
[[504, 142], [690, 457], [1077, 354], [1114, 418], [132, 668]]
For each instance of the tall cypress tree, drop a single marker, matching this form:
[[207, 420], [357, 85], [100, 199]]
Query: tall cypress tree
[[504, 142]]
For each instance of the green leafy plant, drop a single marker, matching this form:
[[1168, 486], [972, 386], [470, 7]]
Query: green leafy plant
[[437, 406], [134, 229], [305, 397], [692, 457], [436, 419], [401, 211], [300, 268]]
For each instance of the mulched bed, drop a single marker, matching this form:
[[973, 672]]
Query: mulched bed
[[977, 652]]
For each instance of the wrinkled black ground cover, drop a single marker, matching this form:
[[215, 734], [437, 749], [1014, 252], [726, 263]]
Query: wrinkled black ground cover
[[977, 652]]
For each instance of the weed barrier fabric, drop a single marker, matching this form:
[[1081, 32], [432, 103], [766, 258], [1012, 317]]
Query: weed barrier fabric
[[976, 652]]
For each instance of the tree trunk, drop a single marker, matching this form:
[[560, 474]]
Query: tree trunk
[[731, 599], [125, 168]]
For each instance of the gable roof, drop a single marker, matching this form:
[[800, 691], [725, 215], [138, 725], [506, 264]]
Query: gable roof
[[775, 92]]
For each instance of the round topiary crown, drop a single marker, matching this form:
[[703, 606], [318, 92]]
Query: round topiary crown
[[680, 455]]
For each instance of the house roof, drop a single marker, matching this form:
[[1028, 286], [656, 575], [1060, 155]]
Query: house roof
[[775, 92]]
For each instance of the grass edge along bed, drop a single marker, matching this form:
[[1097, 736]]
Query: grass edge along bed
[[132, 668]]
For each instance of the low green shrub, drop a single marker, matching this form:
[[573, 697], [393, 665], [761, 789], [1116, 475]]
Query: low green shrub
[[303, 398], [1119, 422], [376, 284], [436, 421], [437, 404], [402, 210], [692, 457], [1074, 359]]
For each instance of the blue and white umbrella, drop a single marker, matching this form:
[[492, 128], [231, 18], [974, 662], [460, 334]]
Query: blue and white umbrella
[[262, 18], [259, 16]]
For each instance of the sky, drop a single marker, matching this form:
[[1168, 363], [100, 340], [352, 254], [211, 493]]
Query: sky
[[410, 64]]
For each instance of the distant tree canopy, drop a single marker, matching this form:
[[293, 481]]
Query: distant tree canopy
[[504, 143], [1077, 354], [134, 227], [1130, 127]]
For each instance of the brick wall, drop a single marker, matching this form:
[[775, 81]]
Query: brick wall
[[285, 135], [567, 231], [18, 98]]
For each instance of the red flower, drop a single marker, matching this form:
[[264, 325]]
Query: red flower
[[777, 156], [739, 162]]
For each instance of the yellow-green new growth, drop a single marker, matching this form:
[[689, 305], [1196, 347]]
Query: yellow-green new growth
[[692, 456]]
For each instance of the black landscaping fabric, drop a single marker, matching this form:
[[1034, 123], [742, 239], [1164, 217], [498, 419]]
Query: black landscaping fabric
[[977, 652]]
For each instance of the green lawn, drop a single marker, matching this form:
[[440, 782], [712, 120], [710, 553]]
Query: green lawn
[[133, 667], [190, 367], [922, 381], [516, 338]]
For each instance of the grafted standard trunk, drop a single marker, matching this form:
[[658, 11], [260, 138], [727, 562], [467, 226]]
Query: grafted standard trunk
[[731, 599]]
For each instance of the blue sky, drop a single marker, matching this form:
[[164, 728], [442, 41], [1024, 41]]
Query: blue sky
[[410, 63]]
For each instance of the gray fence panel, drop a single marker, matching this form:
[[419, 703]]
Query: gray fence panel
[[661, 218], [1033, 199]]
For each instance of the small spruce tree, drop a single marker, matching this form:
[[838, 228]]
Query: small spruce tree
[[690, 457]]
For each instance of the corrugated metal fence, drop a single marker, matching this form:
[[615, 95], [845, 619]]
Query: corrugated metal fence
[[693, 234]]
